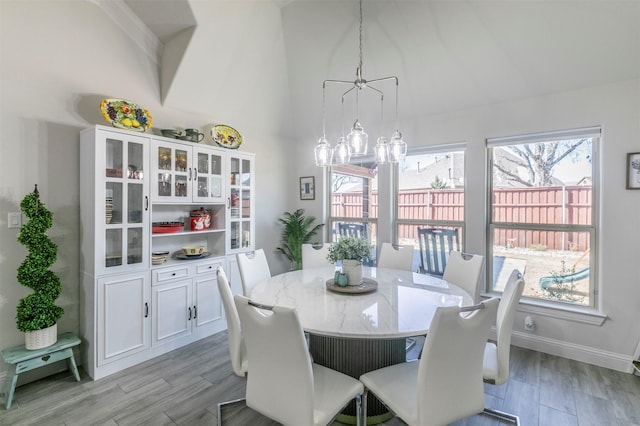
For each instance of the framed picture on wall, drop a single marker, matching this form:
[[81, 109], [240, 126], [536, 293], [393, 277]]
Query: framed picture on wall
[[633, 170], [307, 188]]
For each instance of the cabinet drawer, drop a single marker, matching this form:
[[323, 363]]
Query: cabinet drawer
[[164, 275], [208, 267]]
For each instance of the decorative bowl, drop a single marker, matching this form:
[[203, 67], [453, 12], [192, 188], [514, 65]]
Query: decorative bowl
[[193, 250], [167, 227], [171, 133], [159, 257]]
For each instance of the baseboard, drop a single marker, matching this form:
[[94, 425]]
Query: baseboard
[[601, 358]]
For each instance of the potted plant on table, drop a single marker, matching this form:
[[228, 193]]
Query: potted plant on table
[[352, 251], [297, 230], [37, 314]]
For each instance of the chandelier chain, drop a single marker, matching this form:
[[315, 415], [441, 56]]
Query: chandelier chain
[[360, 39]]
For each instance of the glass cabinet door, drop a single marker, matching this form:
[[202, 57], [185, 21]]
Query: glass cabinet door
[[208, 175], [171, 172], [240, 203], [126, 207]]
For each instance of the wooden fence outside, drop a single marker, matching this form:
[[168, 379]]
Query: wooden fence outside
[[547, 205]]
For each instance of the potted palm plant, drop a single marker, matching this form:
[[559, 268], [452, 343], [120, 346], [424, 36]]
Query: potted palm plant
[[37, 314], [352, 251], [297, 230]]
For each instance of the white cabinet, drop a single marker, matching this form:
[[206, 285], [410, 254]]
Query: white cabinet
[[124, 320], [185, 300], [184, 173], [171, 302], [119, 192], [241, 203], [133, 310]]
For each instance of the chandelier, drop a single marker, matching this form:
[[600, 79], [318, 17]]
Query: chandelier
[[356, 142]]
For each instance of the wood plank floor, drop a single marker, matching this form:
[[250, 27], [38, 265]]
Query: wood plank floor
[[184, 387]]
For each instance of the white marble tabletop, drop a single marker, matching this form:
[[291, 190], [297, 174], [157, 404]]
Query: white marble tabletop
[[402, 306]]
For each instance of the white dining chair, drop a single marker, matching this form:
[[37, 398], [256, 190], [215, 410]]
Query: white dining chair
[[496, 355], [395, 256], [445, 385], [464, 270], [315, 255], [252, 269], [237, 350], [284, 384]]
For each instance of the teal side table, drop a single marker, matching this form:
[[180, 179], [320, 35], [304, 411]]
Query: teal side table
[[21, 359]]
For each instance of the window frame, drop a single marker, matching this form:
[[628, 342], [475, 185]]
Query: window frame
[[331, 220], [397, 221], [538, 303]]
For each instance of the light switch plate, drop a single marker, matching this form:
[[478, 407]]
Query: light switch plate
[[14, 220]]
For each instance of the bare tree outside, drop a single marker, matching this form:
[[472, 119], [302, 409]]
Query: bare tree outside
[[534, 164]]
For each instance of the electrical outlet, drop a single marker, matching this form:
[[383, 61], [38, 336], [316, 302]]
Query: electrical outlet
[[529, 324], [14, 220]]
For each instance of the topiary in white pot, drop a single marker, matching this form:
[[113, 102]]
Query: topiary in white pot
[[37, 314]]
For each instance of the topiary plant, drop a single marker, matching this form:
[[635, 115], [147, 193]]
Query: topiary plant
[[296, 232], [38, 310]]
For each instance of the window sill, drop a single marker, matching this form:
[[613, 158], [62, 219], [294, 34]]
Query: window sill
[[578, 314]]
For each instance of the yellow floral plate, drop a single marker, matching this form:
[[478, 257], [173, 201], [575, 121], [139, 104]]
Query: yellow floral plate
[[126, 115], [226, 136]]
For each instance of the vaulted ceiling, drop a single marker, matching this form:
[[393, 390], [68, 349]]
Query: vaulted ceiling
[[448, 55]]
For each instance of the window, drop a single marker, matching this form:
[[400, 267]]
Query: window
[[542, 216], [354, 201], [430, 194]]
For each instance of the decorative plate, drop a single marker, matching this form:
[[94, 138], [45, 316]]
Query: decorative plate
[[183, 256], [126, 115], [366, 286], [226, 137]]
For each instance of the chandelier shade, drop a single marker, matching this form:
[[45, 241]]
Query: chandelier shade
[[356, 143], [358, 140], [398, 148], [381, 151], [342, 151], [323, 153]]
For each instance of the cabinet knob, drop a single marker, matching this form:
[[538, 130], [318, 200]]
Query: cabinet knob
[[189, 314], [173, 274], [195, 312], [146, 310]]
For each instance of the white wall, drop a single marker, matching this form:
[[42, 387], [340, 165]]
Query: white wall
[[52, 78]]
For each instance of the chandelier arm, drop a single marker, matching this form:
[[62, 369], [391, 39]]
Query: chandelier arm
[[347, 92], [337, 81], [377, 80], [376, 90]]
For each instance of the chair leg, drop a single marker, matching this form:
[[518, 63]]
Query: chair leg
[[502, 416], [227, 403], [359, 416], [363, 407]]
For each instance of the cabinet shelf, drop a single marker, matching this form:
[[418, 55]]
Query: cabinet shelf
[[173, 234]]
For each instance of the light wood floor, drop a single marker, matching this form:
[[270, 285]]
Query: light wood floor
[[184, 387]]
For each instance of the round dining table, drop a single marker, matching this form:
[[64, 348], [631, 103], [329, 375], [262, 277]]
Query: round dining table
[[356, 330]]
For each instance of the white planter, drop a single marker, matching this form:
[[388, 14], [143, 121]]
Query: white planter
[[353, 270], [41, 338]]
